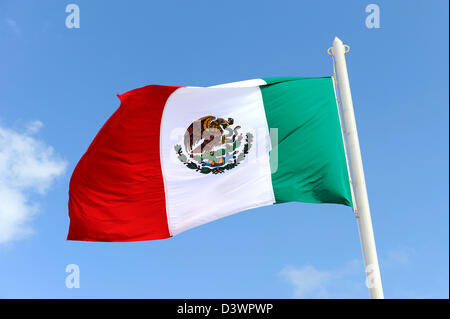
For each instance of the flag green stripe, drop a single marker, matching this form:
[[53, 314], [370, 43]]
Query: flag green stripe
[[311, 165]]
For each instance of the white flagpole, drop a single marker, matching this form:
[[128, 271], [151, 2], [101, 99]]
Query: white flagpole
[[373, 280]]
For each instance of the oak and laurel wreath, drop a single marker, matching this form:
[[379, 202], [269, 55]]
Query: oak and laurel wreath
[[216, 170]]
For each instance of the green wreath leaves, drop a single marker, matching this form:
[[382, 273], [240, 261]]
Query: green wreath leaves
[[195, 164]]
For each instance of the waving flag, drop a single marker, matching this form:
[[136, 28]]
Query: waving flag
[[173, 158]]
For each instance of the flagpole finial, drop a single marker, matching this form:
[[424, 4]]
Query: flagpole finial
[[337, 40]]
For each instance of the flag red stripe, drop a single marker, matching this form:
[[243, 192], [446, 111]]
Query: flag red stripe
[[117, 189]]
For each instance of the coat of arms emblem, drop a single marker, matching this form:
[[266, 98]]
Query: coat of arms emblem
[[213, 145]]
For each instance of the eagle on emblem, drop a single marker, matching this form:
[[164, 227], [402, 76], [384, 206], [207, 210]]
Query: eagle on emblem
[[205, 133], [212, 145]]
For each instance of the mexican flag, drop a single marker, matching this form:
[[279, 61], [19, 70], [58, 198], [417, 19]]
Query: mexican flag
[[173, 158]]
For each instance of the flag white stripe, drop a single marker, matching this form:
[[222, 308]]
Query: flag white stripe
[[193, 198]]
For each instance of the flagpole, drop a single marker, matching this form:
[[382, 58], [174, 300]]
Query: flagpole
[[372, 268]]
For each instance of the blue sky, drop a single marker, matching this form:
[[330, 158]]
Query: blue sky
[[59, 85]]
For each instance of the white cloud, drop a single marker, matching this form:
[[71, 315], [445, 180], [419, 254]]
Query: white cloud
[[346, 281], [399, 255], [308, 282], [34, 127], [13, 25], [27, 166], [343, 281]]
